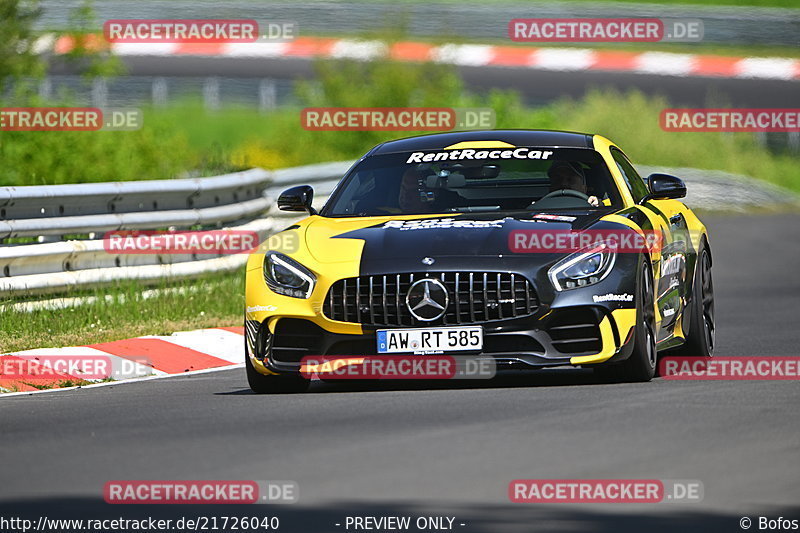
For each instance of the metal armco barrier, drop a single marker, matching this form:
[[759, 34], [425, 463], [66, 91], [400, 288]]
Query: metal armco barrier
[[68, 222]]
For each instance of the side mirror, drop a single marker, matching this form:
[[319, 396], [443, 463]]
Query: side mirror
[[297, 199], [664, 186]]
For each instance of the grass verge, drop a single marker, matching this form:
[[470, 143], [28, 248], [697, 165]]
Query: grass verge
[[217, 301]]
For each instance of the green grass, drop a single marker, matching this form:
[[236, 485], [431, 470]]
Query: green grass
[[62, 384], [52, 157], [217, 301]]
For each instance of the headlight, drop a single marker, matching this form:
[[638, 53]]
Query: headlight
[[583, 268], [286, 276]]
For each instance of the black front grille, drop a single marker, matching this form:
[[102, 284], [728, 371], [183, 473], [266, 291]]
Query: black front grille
[[475, 298]]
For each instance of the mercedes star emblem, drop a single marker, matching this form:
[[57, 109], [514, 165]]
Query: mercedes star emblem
[[428, 261], [427, 299]]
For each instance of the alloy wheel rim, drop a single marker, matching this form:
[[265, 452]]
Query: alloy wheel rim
[[649, 316], [707, 292]]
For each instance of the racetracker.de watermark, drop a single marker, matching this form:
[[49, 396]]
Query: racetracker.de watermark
[[184, 242], [212, 242], [62, 367], [197, 31], [395, 118], [731, 120], [398, 367], [605, 491], [70, 119], [200, 492], [730, 368], [605, 30], [528, 241]]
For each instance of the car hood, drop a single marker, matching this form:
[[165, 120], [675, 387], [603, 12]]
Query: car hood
[[467, 235]]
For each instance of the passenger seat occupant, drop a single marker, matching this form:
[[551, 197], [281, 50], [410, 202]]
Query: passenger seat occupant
[[567, 175]]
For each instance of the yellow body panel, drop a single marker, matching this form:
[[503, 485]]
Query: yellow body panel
[[625, 320]]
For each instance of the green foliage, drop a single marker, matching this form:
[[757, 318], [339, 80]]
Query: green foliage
[[50, 157], [89, 53], [39, 157], [378, 83], [121, 311], [17, 58], [630, 119]]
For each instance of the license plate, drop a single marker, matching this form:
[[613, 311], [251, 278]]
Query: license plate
[[430, 340]]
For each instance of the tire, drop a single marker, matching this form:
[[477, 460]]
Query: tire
[[641, 365], [279, 384], [701, 331]]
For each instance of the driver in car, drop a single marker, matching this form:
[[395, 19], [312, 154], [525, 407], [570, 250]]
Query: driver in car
[[414, 197], [565, 175], [409, 199]]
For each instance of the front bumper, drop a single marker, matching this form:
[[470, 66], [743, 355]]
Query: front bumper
[[570, 336], [571, 328]]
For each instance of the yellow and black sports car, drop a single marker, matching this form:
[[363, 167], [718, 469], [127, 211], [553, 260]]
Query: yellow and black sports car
[[473, 233]]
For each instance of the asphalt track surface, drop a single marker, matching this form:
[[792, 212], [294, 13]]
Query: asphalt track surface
[[449, 449], [535, 86]]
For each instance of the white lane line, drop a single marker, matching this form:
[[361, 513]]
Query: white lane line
[[255, 49], [144, 49], [766, 67], [464, 54], [364, 50], [562, 59], [665, 63]]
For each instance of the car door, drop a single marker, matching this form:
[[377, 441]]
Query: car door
[[670, 266]]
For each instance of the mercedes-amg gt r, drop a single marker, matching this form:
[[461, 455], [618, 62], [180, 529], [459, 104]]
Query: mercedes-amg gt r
[[472, 235]]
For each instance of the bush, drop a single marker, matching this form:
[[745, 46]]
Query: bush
[[49, 157]]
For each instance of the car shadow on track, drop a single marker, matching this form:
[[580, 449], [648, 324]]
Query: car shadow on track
[[504, 379]]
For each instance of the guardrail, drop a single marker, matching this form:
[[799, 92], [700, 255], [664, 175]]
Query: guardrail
[[68, 222]]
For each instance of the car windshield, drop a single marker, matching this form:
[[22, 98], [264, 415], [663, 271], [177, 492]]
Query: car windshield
[[470, 181]]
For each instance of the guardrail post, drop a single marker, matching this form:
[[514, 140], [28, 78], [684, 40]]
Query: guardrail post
[[267, 95], [159, 92], [793, 140], [99, 92], [211, 93], [45, 88]]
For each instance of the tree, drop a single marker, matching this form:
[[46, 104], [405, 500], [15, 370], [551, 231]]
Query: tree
[[18, 57]]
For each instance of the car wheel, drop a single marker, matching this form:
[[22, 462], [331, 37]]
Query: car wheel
[[641, 365], [700, 339], [278, 384]]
